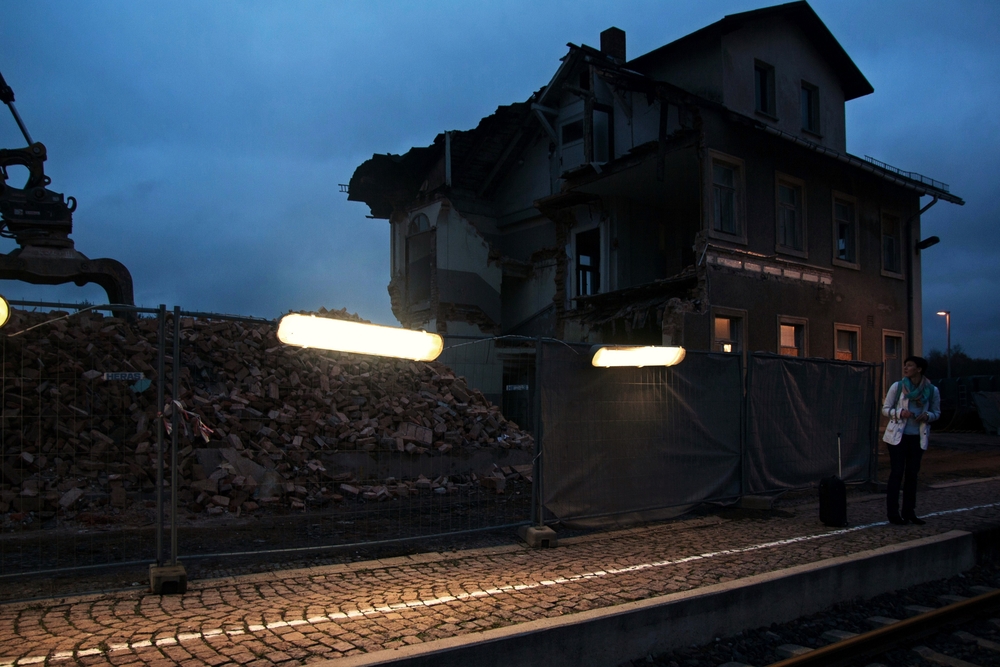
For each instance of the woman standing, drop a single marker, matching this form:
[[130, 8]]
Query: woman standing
[[911, 405]]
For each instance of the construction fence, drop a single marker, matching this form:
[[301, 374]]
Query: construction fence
[[133, 436]]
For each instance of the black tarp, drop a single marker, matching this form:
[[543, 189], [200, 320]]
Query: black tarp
[[988, 405], [795, 409], [629, 444]]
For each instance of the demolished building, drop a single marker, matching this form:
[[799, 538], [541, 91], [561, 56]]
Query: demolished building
[[700, 194]]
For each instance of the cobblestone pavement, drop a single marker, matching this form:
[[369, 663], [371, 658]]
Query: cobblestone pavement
[[297, 616]]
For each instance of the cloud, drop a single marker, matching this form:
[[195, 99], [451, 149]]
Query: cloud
[[205, 141]]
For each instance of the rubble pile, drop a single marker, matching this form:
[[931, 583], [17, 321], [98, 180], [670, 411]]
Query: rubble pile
[[259, 423]]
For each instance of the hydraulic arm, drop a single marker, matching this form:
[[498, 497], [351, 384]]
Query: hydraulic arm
[[40, 221]]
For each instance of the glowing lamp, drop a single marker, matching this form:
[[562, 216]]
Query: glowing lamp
[[343, 336], [4, 311], [607, 356]]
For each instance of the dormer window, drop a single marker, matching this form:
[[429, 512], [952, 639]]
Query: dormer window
[[810, 108], [763, 75]]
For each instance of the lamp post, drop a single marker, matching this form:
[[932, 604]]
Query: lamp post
[[947, 325]]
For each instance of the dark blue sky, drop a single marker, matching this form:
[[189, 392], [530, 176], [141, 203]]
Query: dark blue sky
[[205, 141]]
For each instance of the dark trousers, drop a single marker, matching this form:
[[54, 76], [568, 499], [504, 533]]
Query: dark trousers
[[905, 461]]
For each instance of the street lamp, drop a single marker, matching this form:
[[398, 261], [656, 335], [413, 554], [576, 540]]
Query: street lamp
[[947, 324]]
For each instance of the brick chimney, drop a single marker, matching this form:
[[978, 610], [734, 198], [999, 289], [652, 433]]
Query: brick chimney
[[613, 43]]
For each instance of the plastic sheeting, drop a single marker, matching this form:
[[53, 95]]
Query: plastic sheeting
[[630, 444], [795, 409], [988, 405]]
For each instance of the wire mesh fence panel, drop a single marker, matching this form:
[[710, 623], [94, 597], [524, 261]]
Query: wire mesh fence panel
[[286, 449], [626, 444], [795, 410], [76, 471]]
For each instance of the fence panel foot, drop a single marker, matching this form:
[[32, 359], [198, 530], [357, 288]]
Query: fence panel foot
[[167, 579], [538, 536]]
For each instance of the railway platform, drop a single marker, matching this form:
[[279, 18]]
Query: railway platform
[[602, 598]]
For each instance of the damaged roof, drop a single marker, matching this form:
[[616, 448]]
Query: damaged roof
[[477, 155]]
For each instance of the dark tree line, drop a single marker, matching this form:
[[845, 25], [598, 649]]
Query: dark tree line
[[962, 365]]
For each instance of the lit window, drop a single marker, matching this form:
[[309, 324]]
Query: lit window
[[846, 343], [891, 244], [810, 108], [764, 88], [790, 232], [792, 337], [728, 334], [846, 226]]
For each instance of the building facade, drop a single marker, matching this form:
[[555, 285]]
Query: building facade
[[700, 195]]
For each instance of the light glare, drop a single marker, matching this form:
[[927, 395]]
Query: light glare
[[607, 357], [343, 336], [4, 311]]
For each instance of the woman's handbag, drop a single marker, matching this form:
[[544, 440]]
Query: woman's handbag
[[894, 430]]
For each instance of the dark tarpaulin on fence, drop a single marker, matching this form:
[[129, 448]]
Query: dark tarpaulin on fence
[[988, 405], [636, 444], [795, 409]]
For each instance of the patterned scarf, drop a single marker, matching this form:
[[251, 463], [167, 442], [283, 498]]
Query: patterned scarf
[[919, 395]]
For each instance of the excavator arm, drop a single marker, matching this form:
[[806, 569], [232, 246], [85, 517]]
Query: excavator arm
[[40, 221]]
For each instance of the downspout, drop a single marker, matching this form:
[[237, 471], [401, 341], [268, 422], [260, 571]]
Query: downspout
[[911, 253]]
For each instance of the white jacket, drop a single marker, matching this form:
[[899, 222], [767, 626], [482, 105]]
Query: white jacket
[[896, 402]]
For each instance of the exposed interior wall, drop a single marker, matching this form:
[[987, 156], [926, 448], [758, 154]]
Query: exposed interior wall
[[527, 302], [530, 179], [467, 281]]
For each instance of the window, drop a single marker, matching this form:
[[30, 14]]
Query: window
[[892, 357], [418, 259], [810, 108], [418, 224], [572, 131], [891, 245], [791, 216], [846, 339], [726, 194], [763, 80], [588, 262], [727, 330], [792, 336], [845, 232], [604, 135], [571, 143]]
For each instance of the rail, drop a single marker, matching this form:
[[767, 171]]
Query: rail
[[879, 641]]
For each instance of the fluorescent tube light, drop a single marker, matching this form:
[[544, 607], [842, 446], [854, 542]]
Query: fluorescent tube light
[[607, 356], [329, 334]]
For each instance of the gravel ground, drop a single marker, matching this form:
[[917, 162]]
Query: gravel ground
[[758, 646]]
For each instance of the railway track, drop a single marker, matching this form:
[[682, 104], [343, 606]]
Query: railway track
[[931, 635], [954, 623]]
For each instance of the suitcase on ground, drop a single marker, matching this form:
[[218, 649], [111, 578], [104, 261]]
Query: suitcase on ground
[[833, 501], [833, 496]]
